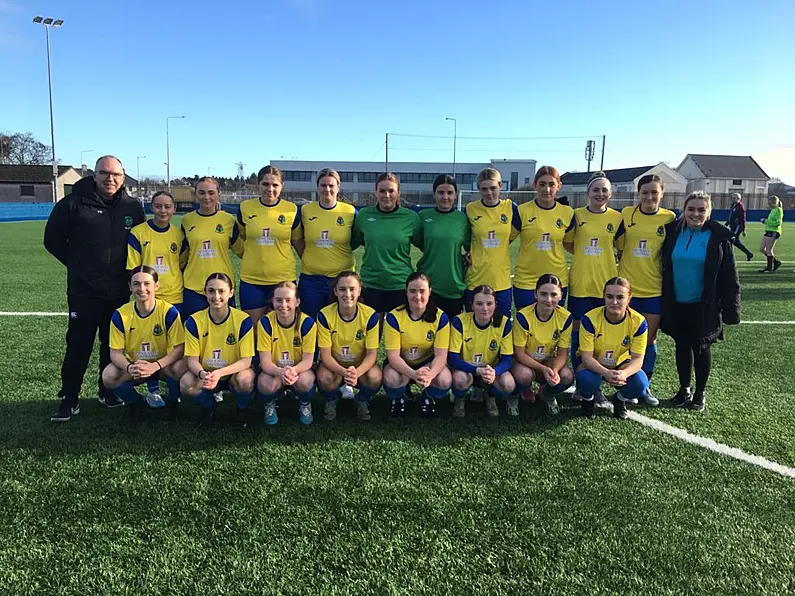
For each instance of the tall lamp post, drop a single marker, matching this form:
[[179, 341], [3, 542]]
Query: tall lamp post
[[168, 152], [50, 22], [138, 170], [455, 136]]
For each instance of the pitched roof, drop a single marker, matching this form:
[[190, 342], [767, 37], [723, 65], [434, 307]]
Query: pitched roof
[[615, 176], [29, 174], [728, 166]]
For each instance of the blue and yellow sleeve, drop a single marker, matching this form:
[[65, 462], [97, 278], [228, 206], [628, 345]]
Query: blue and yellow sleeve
[[117, 339], [587, 332], [264, 335], [323, 331], [564, 341], [192, 342], [442, 339], [456, 335], [308, 336], [506, 343], [391, 333], [519, 331], [371, 334], [175, 332]]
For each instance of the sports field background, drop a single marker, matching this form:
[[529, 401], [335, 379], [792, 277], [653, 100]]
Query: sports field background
[[473, 506]]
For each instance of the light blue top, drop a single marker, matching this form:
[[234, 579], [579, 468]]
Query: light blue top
[[690, 252]]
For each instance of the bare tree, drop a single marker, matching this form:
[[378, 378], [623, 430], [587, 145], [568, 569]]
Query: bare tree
[[23, 149]]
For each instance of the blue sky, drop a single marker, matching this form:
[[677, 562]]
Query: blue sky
[[325, 80]]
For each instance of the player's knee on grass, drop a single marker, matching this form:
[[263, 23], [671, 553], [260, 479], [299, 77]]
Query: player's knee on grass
[[268, 384], [462, 380], [505, 383], [327, 380], [523, 375], [305, 381]]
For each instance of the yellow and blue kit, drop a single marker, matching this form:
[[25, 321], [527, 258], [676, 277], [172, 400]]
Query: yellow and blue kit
[[163, 250], [348, 340]]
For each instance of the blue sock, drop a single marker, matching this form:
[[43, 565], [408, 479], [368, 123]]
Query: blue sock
[[436, 393], [174, 392], [458, 393], [127, 393], [153, 384], [366, 394], [394, 393], [332, 395], [243, 399], [306, 396], [575, 347], [205, 399], [498, 393], [269, 398], [650, 359]]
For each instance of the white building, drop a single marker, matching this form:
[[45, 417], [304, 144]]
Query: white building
[[625, 180], [724, 174], [416, 178]]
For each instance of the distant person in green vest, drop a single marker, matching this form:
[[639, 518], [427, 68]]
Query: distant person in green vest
[[443, 238], [386, 231], [772, 233]]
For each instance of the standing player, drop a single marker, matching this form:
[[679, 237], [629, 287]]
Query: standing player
[[480, 353], [736, 223], [325, 243], [612, 343], [286, 340], [416, 337], [772, 225], [640, 239], [541, 339], [219, 346], [146, 342], [443, 238], [541, 225], [347, 336], [386, 232], [268, 226], [591, 240], [159, 245], [210, 233], [490, 221]]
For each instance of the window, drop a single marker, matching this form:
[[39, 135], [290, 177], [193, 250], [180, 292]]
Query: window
[[346, 176], [294, 176], [367, 176], [465, 179], [737, 182], [27, 190], [514, 180], [527, 180]]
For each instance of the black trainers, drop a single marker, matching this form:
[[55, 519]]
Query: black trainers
[[428, 408], [765, 270], [398, 408], [135, 411], [682, 398], [242, 417], [65, 412], [589, 409], [207, 418], [776, 264], [698, 403], [619, 409], [109, 400]]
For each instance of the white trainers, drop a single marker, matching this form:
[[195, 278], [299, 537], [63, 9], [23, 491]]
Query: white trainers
[[305, 413], [512, 406], [218, 396], [347, 392], [551, 405], [155, 400]]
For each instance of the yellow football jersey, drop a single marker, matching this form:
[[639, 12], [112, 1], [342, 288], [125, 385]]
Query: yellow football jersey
[[268, 230], [209, 238], [287, 345], [146, 338], [219, 344], [492, 233], [348, 340], [542, 339], [594, 260], [161, 249], [416, 340], [613, 344], [480, 345], [640, 241], [541, 233], [327, 238]]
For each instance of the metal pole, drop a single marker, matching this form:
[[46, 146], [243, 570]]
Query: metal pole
[[138, 170], [602, 164], [455, 137], [52, 124], [168, 160], [386, 154]]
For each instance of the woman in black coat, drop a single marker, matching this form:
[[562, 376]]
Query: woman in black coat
[[701, 293]]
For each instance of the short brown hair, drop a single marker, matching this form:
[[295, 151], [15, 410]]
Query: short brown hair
[[547, 171], [273, 171]]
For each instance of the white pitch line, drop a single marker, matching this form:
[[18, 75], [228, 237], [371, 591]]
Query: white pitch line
[[33, 314], [767, 322], [714, 446]]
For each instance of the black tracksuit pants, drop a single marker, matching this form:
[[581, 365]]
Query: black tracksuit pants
[[87, 316], [691, 354]]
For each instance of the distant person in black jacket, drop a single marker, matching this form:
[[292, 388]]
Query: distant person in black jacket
[[701, 293], [87, 232], [736, 223]]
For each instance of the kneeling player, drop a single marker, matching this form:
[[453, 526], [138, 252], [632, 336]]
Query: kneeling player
[[480, 353], [417, 337], [347, 335], [146, 342], [219, 345], [286, 344], [612, 346], [541, 339]]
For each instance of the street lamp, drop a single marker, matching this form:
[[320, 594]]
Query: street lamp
[[455, 135], [168, 152], [138, 170], [50, 22]]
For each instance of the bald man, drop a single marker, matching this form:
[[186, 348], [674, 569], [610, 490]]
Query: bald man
[[87, 232]]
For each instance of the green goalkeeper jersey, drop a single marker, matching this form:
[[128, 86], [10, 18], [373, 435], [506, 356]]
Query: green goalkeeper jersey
[[443, 237]]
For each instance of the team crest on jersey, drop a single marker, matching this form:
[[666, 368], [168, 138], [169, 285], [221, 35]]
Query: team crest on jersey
[[493, 344], [340, 221], [281, 219], [219, 228], [297, 342], [610, 228], [661, 231], [478, 358], [430, 336], [359, 335], [231, 339], [173, 248], [625, 342], [559, 223], [128, 221], [157, 330], [504, 218]]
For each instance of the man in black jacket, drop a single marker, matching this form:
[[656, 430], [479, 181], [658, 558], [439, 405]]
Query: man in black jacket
[[87, 232]]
